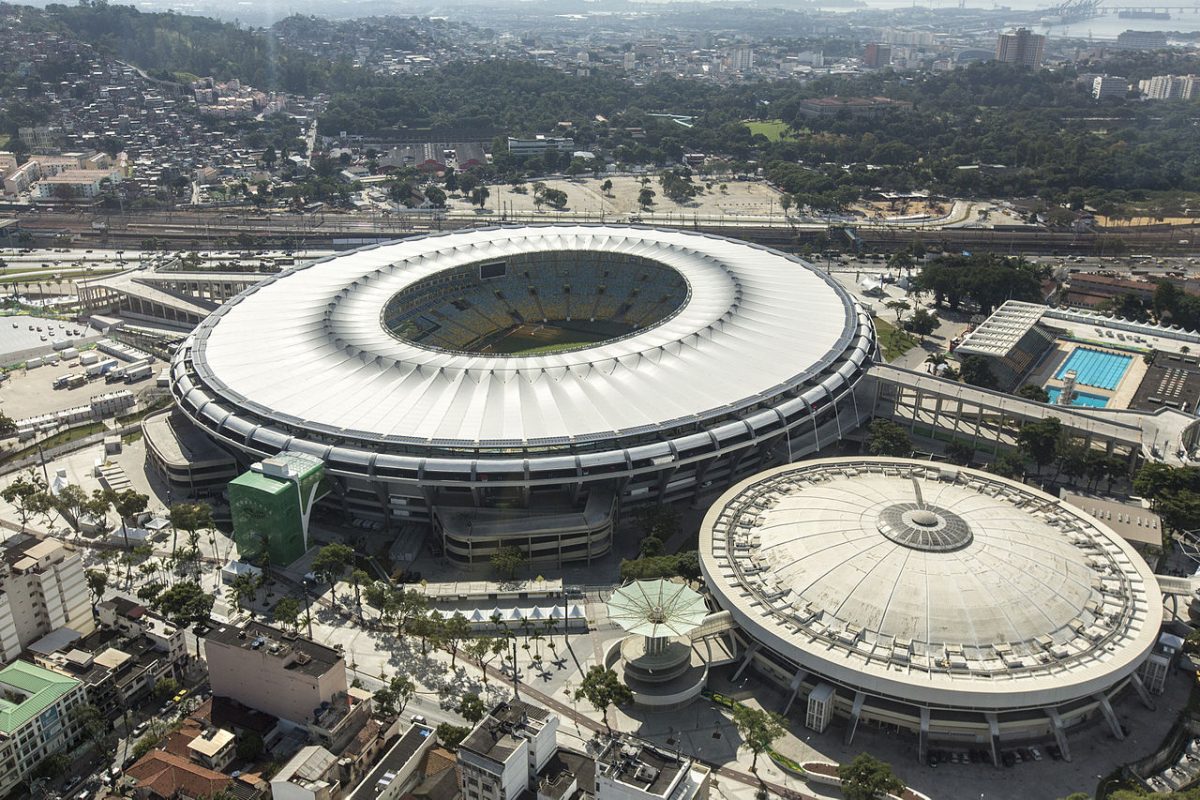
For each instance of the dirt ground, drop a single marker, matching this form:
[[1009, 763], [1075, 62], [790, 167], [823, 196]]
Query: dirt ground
[[738, 198]]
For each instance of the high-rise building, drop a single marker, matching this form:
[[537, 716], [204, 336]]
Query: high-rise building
[[42, 588], [741, 58], [877, 56], [1022, 47], [1141, 40], [1170, 87], [1105, 86]]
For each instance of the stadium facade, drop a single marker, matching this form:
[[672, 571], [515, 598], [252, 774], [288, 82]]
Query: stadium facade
[[948, 602], [520, 386]]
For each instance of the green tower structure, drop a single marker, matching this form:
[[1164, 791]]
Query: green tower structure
[[271, 504]]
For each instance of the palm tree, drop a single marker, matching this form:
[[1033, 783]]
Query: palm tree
[[936, 361]]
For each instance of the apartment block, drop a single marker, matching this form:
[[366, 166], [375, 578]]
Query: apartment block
[[37, 709], [42, 588], [503, 755]]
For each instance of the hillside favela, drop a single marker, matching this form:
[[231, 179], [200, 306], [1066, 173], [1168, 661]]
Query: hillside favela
[[600, 400]]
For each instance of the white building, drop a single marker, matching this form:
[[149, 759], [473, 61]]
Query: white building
[[394, 775], [74, 184], [501, 758], [311, 774], [539, 144], [133, 620], [37, 709], [1170, 87], [1105, 86], [628, 769], [42, 588]]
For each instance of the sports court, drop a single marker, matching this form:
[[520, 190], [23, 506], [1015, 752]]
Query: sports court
[[1098, 368]]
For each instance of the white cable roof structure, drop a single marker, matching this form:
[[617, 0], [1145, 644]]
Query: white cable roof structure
[[307, 349], [930, 584], [657, 608]]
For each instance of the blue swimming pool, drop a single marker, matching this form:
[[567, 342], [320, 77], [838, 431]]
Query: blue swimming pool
[[1080, 399], [1095, 367]]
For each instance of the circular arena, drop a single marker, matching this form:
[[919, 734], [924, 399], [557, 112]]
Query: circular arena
[[518, 386], [944, 601]]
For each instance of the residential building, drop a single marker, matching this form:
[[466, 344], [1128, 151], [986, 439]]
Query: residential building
[[741, 58], [163, 775], [295, 679], [19, 179], [116, 672], [1022, 47], [1141, 40], [629, 769], [74, 184], [37, 712], [42, 588], [539, 144], [133, 621], [311, 774], [500, 759], [1170, 87], [399, 769], [877, 56], [1106, 86], [213, 748]]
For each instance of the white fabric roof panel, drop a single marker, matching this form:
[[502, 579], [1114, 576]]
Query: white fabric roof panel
[[309, 344]]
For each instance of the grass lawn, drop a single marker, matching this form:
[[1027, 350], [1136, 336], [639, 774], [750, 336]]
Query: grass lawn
[[549, 348], [773, 129], [895, 341]]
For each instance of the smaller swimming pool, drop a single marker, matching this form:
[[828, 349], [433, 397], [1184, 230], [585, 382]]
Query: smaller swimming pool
[[1098, 368], [1080, 399]]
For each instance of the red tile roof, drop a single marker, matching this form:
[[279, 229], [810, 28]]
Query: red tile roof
[[167, 775]]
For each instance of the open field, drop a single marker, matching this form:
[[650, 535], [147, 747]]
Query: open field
[[584, 195], [773, 129]]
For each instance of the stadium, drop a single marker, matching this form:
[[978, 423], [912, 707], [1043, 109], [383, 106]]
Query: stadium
[[949, 603], [521, 386]]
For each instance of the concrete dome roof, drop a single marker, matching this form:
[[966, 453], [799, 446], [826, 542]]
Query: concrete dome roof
[[928, 577]]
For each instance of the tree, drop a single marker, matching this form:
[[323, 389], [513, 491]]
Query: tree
[[243, 589], [127, 504], [557, 198], [70, 502], [922, 323], [507, 561], [451, 736], [479, 195], [960, 453], [1031, 391], [646, 197], [1009, 464], [190, 517], [249, 746], [97, 582], [392, 698], [602, 688], [1040, 440], [93, 724], [287, 612], [453, 632], [472, 708], [166, 688], [899, 306], [975, 371], [269, 157], [606, 187], [868, 778], [886, 438], [358, 577], [758, 729], [7, 426], [435, 196], [24, 494], [185, 603], [331, 562]]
